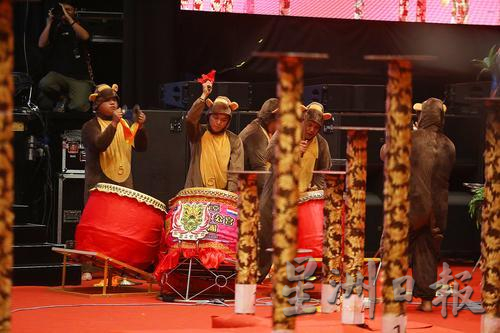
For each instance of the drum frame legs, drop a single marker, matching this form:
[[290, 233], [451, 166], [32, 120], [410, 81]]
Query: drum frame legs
[[187, 297], [108, 265]]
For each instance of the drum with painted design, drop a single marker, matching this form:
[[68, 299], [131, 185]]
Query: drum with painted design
[[202, 222], [123, 224]]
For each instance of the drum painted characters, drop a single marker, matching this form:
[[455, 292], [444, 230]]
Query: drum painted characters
[[201, 222], [310, 228], [123, 224]]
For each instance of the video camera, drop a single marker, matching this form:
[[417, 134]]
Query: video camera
[[57, 12]]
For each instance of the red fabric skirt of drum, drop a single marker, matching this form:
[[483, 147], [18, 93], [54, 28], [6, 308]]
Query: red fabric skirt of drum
[[120, 227]]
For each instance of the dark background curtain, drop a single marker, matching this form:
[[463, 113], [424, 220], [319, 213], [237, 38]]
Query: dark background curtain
[[164, 44]]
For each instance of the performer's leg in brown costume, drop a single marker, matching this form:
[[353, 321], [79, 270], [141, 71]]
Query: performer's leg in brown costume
[[265, 232], [424, 261]]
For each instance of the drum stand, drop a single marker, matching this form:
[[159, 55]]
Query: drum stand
[[194, 269], [109, 266]]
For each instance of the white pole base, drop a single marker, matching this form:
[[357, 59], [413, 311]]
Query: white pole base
[[490, 324], [353, 310], [392, 323], [244, 298], [326, 293]]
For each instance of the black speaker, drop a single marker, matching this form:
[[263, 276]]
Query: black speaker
[[23, 85], [337, 142], [182, 94], [458, 96], [261, 92], [374, 223], [337, 139], [334, 97], [69, 205], [161, 171], [369, 97], [466, 131], [462, 238], [245, 118]]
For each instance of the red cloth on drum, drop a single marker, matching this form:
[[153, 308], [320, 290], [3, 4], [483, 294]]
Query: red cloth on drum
[[211, 253], [210, 258], [121, 228]]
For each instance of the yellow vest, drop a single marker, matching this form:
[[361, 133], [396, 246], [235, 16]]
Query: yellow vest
[[307, 163], [215, 154], [116, 159]]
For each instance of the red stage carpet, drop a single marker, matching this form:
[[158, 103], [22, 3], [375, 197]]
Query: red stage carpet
[[38, 309]]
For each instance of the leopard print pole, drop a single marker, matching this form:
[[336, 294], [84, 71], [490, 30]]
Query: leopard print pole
[[332, 240], [490, 228], [354, 246], [286, 192], [397, 177], [6, 156], [248, 221]]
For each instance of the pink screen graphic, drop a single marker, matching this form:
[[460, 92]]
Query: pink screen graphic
[[481, 12]]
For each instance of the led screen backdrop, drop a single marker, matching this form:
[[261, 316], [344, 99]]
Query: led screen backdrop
[[483, 12]]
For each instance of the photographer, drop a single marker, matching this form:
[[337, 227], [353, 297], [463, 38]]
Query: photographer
[[68, 83]]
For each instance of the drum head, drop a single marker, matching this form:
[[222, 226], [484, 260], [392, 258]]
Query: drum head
[[133, 194]]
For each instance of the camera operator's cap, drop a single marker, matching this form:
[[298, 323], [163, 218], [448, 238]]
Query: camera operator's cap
[[315, 112], [103, 93], [222, 104]]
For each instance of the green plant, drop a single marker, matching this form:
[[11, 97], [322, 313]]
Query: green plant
[[488, 63], [475, 206]]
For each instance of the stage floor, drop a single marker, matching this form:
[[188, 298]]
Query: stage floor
[[40, 309]]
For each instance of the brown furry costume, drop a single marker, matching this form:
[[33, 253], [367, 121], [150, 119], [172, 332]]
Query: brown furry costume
[[255, 140], [265, 232], [96, 142], [195, 132], [432, 159]]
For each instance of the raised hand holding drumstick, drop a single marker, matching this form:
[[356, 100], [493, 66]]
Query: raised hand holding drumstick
[[207, 82], [117, 116], [207, 89]]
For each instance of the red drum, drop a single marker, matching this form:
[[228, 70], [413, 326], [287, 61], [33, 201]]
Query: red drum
[[123, 224], [203, 223], [310, 228]]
